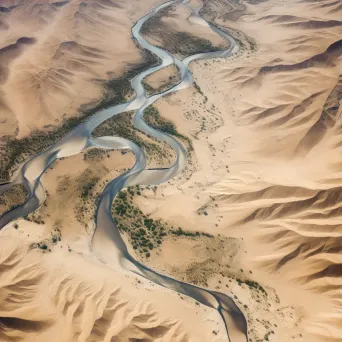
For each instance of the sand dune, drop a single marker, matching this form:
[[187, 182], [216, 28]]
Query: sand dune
[[43, 297]]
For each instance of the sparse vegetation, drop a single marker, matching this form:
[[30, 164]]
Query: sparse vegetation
[[198, 88], [181, 43], [34, 218], [44, 245], [87, 188], [13, 197], [172, 81], [95, 153], [121, 125], [252, 285], [116, 90], [153, 118], [190, 44], [144, 233]]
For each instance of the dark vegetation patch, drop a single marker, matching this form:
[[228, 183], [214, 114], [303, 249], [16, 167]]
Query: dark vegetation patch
[[95, 154], [164, 86], [61, 3], [89, 188], [34, 217], [244, 42], [14, 151], [46, 244], [180, 43], [144, 233], [227, 9], [186, 44], [252, 285], [153, 118], [116, 90], [12, 198], [121, 125]]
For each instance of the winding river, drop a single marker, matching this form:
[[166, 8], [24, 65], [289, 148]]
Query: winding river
[[80, 139]]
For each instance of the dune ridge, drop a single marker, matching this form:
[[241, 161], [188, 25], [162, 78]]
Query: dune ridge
[[41, 298]]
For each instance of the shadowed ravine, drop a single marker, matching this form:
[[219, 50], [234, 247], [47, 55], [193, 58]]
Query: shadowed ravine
[[106, 233]]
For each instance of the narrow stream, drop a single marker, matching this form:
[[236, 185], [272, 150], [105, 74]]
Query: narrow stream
[[80, 139]]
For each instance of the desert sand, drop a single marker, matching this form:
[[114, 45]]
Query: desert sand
[[263, 179]]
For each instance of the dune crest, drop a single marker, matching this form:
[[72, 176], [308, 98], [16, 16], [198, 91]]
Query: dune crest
[[41, 298]]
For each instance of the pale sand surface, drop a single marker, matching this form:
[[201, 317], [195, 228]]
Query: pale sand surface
[[264, 180]]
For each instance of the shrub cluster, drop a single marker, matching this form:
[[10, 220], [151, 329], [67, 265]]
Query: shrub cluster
[[145, 233]]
